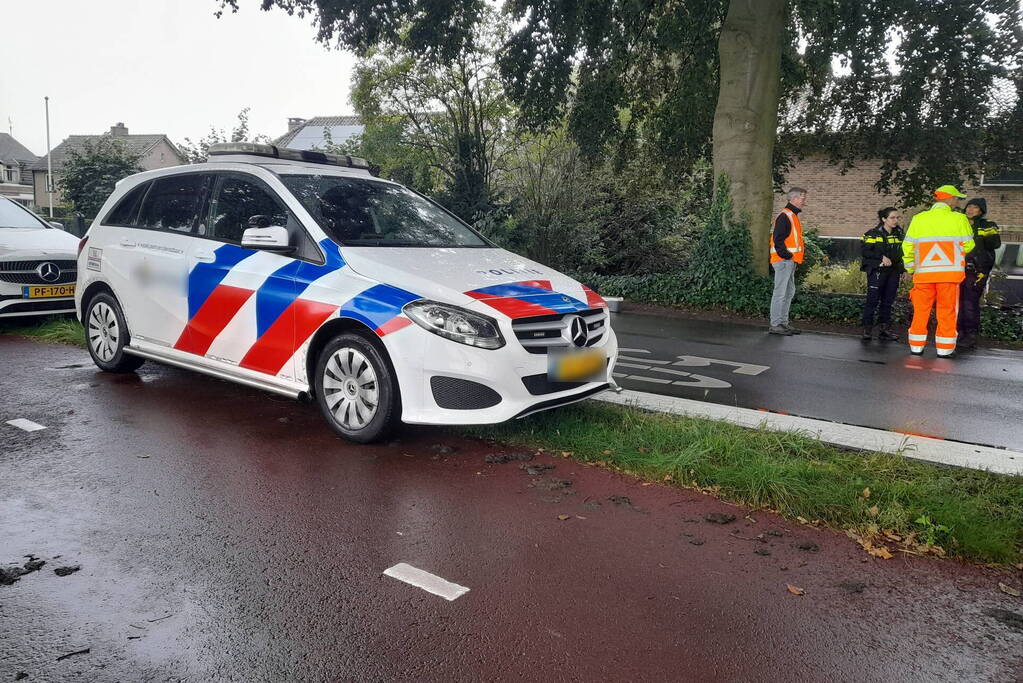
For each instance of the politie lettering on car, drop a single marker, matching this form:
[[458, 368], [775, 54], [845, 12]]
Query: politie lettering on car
[[303, 274]]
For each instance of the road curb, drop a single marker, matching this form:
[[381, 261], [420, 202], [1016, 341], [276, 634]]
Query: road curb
[[938, 451]]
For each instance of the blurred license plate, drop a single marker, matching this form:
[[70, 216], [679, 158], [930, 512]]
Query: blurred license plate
[[577, 366], [47, 291]]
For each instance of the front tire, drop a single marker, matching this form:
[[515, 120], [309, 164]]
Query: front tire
[[106, 335], [356, 389]]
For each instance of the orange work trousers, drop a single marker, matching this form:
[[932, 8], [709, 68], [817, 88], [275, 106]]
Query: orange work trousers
[[924, 295]]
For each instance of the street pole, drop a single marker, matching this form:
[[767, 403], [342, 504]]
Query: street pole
[[49, 159]]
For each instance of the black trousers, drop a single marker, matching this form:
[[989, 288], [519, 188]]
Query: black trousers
[[970, 292], [882, 286]]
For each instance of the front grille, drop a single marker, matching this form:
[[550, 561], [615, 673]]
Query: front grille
[[538, 334], [24, 272], [58, 305], [461, 394]]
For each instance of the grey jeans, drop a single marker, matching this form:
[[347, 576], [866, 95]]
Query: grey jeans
[[784, 290]]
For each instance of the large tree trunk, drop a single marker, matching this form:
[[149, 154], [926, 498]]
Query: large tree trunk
[[746, 119]]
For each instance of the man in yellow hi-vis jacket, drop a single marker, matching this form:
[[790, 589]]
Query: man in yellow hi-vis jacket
[[934, 251]]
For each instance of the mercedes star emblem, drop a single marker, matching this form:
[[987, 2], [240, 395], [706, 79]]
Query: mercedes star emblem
[[577, 331], [48, 271]]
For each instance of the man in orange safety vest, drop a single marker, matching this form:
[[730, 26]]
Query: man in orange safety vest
[[934, 251]]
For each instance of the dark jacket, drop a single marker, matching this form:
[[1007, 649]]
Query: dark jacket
[[782, 228], [987, 239], [877, 242]]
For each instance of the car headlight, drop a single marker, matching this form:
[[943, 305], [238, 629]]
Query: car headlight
[[455, 323]]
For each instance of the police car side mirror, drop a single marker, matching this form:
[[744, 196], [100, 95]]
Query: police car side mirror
[[269, 238], [55, 224]]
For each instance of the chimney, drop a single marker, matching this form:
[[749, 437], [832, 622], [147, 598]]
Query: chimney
[[118, 130], [294, 122]]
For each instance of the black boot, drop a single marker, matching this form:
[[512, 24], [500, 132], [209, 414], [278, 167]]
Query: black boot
[[868, 333], [886, 333]]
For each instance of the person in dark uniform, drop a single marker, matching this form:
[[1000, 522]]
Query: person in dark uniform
[[882, 262], [979, 263]]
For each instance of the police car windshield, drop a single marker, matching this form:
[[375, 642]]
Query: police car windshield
[[13, 215], [366, 213]]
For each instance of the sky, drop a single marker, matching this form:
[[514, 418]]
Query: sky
[[161, 66]]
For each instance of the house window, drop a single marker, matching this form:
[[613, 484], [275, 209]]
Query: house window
[[1008, 178], [11, 174]]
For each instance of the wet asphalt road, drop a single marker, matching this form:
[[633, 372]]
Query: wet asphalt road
[[977, 398], [225, 534]]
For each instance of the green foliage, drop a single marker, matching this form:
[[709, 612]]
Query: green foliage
[[791, 473], [446, 124], [605, 218], [91, 171], [55, 330], [197, 151]]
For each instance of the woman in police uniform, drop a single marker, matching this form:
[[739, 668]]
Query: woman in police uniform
[[882, 262]]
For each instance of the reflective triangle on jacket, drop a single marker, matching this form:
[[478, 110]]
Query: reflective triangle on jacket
[[939, 255]]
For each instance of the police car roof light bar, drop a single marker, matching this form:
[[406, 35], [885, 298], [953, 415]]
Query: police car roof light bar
[[274, 152]]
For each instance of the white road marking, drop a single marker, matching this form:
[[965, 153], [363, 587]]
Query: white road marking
[[645, 360], [430, 583], [620, 364], [862, 438], [27, 425], [740, 368], [622, 348]]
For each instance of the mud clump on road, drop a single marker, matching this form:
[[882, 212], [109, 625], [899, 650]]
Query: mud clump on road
[[808, 546], [852, 586], [443, 448], [13, 572], [534, 470], [720, 518], [65, 571], [505, 458], [1013, 620], [624, 501], [762, 551]]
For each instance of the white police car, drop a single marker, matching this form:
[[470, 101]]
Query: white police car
[[300, 273], [37, 264]]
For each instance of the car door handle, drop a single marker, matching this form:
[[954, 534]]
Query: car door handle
[[204, 256], [125, 242]]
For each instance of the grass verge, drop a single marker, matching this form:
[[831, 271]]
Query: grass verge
[[880, 499], [53, 331]]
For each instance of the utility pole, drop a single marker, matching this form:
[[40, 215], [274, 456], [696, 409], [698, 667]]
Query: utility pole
[[49, 159]]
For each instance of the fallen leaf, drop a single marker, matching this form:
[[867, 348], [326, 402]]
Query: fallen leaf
[[877, 551], [750, 519], [607, 452], [564, 517], [873, 511], [566, 454], [802, 520], [667, 477], [643, 450], [579, 517], [795, 590], [646, 483], [1009, 590], [866, 493]]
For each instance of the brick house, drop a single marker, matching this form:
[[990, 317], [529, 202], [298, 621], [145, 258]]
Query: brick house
[[846, 205], [15, 173], [155, 151]]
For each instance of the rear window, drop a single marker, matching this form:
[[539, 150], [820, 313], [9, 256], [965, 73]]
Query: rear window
[[367, 213], [173, 202], [126, 210]]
